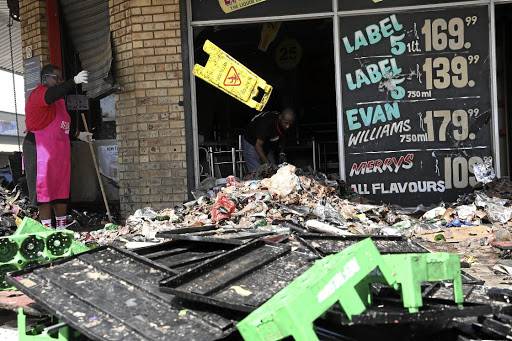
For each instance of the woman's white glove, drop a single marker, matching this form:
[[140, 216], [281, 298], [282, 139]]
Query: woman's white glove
[[81, 77], [84, 136]]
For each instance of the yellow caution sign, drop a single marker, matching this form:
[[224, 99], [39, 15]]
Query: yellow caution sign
[[227, 74]]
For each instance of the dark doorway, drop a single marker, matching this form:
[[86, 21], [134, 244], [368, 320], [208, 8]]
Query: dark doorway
[[504, 80], [299, 64]]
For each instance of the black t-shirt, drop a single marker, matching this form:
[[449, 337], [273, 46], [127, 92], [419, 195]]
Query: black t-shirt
[[265, 127]]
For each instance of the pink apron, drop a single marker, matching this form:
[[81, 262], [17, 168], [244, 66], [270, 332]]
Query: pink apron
[[54, 157]]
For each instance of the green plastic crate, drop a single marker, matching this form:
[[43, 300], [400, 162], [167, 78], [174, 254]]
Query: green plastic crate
[[344, 277], [41, 333], [33, 244], [413, 268]]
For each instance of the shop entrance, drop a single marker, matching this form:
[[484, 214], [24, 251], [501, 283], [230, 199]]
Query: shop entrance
[[299, 63]]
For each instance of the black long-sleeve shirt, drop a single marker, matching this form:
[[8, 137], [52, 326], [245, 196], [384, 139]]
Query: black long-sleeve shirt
[[58, 91]]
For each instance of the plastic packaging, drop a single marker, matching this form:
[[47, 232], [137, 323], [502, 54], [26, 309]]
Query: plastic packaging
[[426, 228], [466, 212], [457, 223], [222, 208], [325, 212], [483, 200], [145, 213], [499, 214], [404, 224], [259, 223], [434, 213], [391, 231], [284, 182], [111, 226], [253, 209], [318, 226], [297, 210], [262, 196], [484, 172]]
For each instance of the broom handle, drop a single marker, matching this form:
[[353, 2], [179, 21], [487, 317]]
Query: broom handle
[[97, 169]]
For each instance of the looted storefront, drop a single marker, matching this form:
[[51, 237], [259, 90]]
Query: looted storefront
[[403, 100]]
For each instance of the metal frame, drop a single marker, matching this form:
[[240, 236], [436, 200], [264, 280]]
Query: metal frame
[[321, 15], [495, 137], [336, 15], [415, 8], [339, 97], [187, 100], [195, 141], [507, 84]]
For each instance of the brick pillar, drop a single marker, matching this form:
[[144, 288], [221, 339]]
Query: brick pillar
[[150, 121], [34, 30]]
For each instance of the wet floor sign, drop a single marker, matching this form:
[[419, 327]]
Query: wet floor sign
[[227, 74]]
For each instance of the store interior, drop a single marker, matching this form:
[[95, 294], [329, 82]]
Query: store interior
[[504, 80], [299, 64]]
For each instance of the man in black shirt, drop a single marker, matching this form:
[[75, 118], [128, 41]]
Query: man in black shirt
[[264, 136]]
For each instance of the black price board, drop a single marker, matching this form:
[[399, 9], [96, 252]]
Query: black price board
[[230, 9], [32, 68], [416, 103], [344, 5]]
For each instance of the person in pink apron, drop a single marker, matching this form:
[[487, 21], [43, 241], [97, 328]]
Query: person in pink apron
[[46, 148]]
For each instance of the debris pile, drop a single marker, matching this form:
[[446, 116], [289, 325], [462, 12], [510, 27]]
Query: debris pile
[[313, 202], [287, 200], [14, 206]]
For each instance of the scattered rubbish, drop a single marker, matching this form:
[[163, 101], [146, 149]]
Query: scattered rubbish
[[484, 172], [283, 183], [222, 208], [507, 270], [311, 201], [439, 238], [328, 244], [326, 212], [434, 213], [145, 213], [14, 206], [321, 227], [241, 233], [241, 291], [137, 245], [499, 214], [457, 223], [458, 234], [470, 260], [466, 213]]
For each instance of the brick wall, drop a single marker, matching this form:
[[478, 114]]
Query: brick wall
[[150, 121], [34, 30]]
